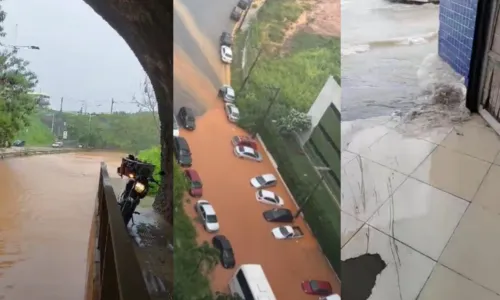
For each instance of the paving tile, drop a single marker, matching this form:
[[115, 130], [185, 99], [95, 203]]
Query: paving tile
[[357, 139], [453, 172], [420, 216], [477, 141], [398, 152], [432, 135], [406, 270], [474, 248], [346, 157], [349, 226], [366, 186], [489, 191], [497, 159], [444, 284]]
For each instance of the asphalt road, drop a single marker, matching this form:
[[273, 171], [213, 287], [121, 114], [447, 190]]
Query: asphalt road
[[197, 27]]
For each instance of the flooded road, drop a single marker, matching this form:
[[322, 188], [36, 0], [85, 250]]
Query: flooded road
[[45, 217], [382, 54]]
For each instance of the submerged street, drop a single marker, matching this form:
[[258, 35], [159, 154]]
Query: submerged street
[[45, 216]]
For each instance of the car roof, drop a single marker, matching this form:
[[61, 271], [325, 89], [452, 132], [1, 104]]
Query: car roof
[[182, 141], [268, 176], [209, 210], [267, 193], [224, 241], [193, 174]]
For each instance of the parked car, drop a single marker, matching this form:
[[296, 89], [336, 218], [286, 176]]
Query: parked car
[[221, 243], [330, 297], [57, 145], [176, 127], [18, 143], [268, 197], [186, 118], [317, 287], [287, 232], [244, 4], [232, 112], [182, 152], [243, 140], [247, 153], [226, 54], [227, 94], [278, 215], [264, 181], [226, 39], [207, 215], [195, 184], [236, 14]]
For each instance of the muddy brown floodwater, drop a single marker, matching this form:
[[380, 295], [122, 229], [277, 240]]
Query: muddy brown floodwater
[[226, 185], [46, 209]]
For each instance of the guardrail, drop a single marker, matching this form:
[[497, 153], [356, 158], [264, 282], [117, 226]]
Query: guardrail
[[118, 274]]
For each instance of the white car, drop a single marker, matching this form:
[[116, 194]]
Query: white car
[[226, 92], [57, 145], [176, 127], [232, 112], [207, 215], [248, 153], [268, 197], [264, 181], [287, 232], [226, 54]]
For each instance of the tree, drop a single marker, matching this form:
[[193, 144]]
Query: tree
[[16, 83], [146, 26], [207, 257], [294, 121], [148, 101]]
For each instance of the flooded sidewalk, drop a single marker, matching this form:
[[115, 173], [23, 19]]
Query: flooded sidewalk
[[151, 235], [427, 204]]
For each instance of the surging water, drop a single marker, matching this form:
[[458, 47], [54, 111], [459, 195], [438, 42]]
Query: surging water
[[45, 216], [383, 46]]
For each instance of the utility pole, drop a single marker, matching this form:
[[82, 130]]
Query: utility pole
[[304, 203], [53, 120], [250, 70], [62, 100], [112, 103], [90, 129], [271, 103]]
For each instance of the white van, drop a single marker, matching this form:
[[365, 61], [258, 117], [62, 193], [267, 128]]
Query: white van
[[331, 297], [249, 282], [176, 127]]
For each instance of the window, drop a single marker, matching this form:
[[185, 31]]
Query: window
[[245, 288], [211, 218], [196, 185], [260, 180], [284, 232]]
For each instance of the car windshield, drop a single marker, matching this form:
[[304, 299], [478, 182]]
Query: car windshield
[[260, 180], [185, 153], [241, 149], [196, 185], [276, 199], [235, 113], [314, 285], [230, 92], [211, 218], [189, 119], [284, 231]]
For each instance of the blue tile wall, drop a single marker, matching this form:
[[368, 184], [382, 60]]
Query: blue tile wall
[[457, 19]]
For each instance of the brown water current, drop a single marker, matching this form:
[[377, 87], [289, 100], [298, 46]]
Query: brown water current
[[46, 207]]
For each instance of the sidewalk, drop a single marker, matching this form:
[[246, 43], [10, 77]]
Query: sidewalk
[[428, 204]]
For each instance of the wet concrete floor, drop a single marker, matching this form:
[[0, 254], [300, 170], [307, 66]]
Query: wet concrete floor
[[46, 210]]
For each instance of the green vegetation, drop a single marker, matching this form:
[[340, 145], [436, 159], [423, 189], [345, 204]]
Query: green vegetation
[[131, 132], [299, 66], [36, 133], [152, 156]]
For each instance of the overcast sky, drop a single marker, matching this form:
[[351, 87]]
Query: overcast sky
[[80, 58]]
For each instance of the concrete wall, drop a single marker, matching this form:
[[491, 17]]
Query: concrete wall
[[456, 32]]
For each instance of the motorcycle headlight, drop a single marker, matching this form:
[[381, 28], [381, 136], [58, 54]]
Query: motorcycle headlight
[[139, 187]]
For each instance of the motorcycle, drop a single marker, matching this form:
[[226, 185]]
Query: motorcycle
[[140, 175]]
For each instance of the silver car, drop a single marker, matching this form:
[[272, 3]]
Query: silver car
[[207, 215], [247, 153], [232, 112]]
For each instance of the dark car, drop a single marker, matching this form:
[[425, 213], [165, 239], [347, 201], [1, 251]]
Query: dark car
[[182, 152], [186, 118], [221, 243], [194, 180], [317, 287], [244, 4], [278, 215], [226, 39], [18, 143], [235, 14]]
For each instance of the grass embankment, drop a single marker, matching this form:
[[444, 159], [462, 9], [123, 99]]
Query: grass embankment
[[299, 63], [37, 133]]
